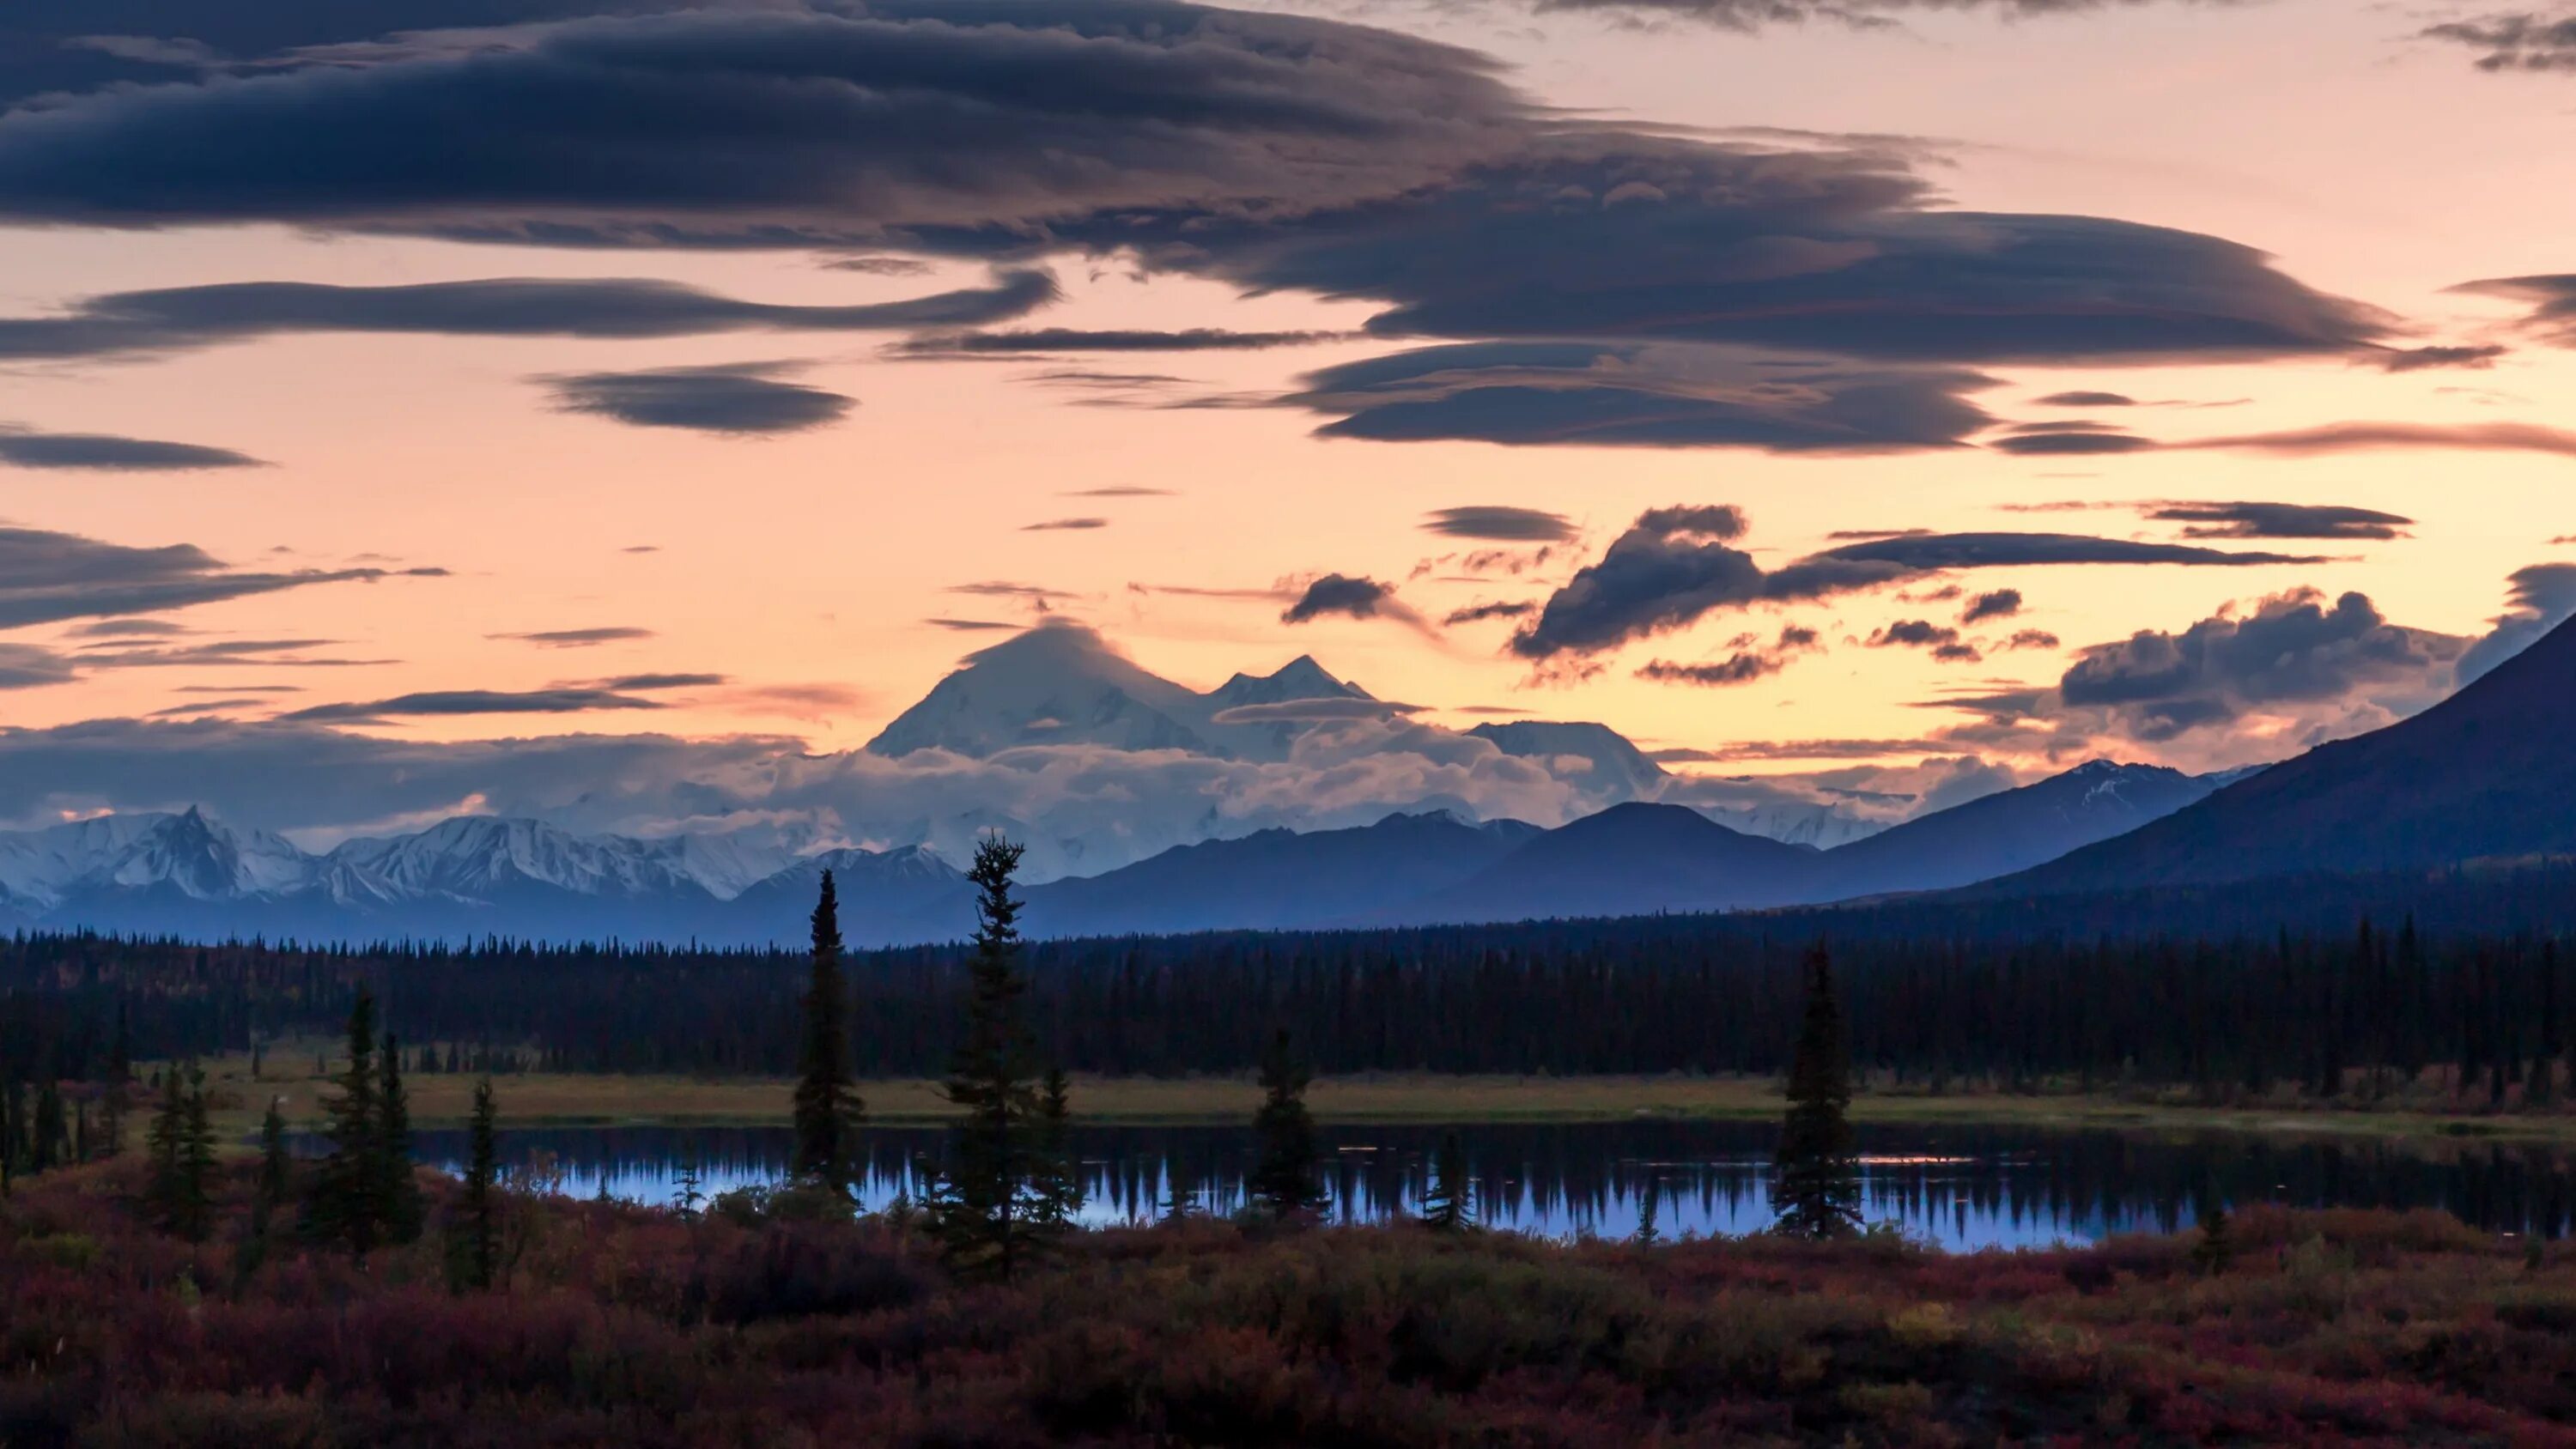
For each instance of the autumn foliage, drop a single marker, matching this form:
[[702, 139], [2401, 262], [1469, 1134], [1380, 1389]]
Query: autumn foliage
[[614, 1324]]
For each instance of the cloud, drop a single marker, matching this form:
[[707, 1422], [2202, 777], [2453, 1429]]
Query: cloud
[[1312, 711], [2278, 520], [48, 577], [1942, 640], [2361, 436], [1040, 340], [2512, 40], [1656, 577], [474, 702], [971, 626], [2085, 441], [1744, 666], [103, 452], [1499, 609], [741, 399], [2418, 359], [2031, 639], [1999, 604], [578, 638], [2087, 400], [29, 666], [1661, 396], [128, 628], [1120, 491], [880, 266], [182, 319], [2540, 598], [1060, 524], [1499, 522], [1357, 598], [1269, 151], [631, 683]]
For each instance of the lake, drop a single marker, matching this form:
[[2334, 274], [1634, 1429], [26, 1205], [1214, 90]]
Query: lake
[[1965, 1187]]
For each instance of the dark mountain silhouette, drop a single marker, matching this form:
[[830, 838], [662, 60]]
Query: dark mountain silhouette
[[1278, 879], [2008, 831], [889, 897], [1628, 860], [2486, 774]]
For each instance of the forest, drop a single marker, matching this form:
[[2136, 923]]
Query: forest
[[2474, 986]]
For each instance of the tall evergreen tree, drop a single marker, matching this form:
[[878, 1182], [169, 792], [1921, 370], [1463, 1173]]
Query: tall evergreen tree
[[397, 1187], [120, 1081], [346, 1204], [196, 1162], [1285, 1182], [165, 1141], [1815, 1189], [828, 1109], [983, 1208], [1056, 1177], [276, 1171], [1447, 1207], [49, 1140], [474, 1243]]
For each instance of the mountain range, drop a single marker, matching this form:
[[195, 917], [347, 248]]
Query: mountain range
[[2481, 776]]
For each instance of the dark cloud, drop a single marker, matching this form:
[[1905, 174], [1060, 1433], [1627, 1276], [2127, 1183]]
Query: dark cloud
[[179, 319], [128, 628], [633, 683], [473, 702], [741, 398], [231, 653], [1925, 553], [2514, 40], [2351, 437], [1745, 665], [1533, 393], [880, 266], [2294, 649], [2000, 604], [103, 452], [1479, 613], [29, 666], [2418, 359], [2278, 520], [1913, 634], [2540, 598], [1499, 522], [971, 626], [1358, 598], [578, 638], [2031, 639], [1041, 340], [1053, 525], [1655, 578], [1269, 151], [2087, 400], [48, 577], [2064, 442]]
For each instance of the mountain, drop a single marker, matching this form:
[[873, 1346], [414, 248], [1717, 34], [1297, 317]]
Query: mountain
[[2011, 830], [1278, 879], [1602, 753], [2484, 774], [1062, 684], [887, 897], [1629, 860], [184, 854]]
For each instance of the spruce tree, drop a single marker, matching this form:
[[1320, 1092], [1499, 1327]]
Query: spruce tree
[[120, 1080], [276, 1172], [1056, 1176], [1446, 1207], [346, 1203], [474, 1242], [1815, 1189], [165, 1141], [983, 1208], [196, 1162], [1284, 1185], [49, 1142], [397, 1187], [828, 1109]]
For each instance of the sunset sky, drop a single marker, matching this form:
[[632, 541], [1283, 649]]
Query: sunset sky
[[1884, 400]]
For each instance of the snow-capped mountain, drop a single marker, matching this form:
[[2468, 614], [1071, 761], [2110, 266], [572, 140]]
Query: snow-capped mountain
[[1062, 684], [186, 853]]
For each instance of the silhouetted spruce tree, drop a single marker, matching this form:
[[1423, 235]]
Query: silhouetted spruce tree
[[1648, 1198], [1446, 1207], [49, 1144], [196, 1162], [983, 1209], [276, 1170], [474, 1238], [1285, 1182], [1815, 1188], [346, 1203], [1055, 1174], [164, 1149], [398, 1188], [828, 1109], [120, 1081]]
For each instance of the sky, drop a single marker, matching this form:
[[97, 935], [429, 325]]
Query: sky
[[619, 410]]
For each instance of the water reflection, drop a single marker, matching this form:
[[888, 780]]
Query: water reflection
[[1965, 1187]]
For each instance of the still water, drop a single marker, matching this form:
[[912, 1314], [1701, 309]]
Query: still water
[[1965, 1187]]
